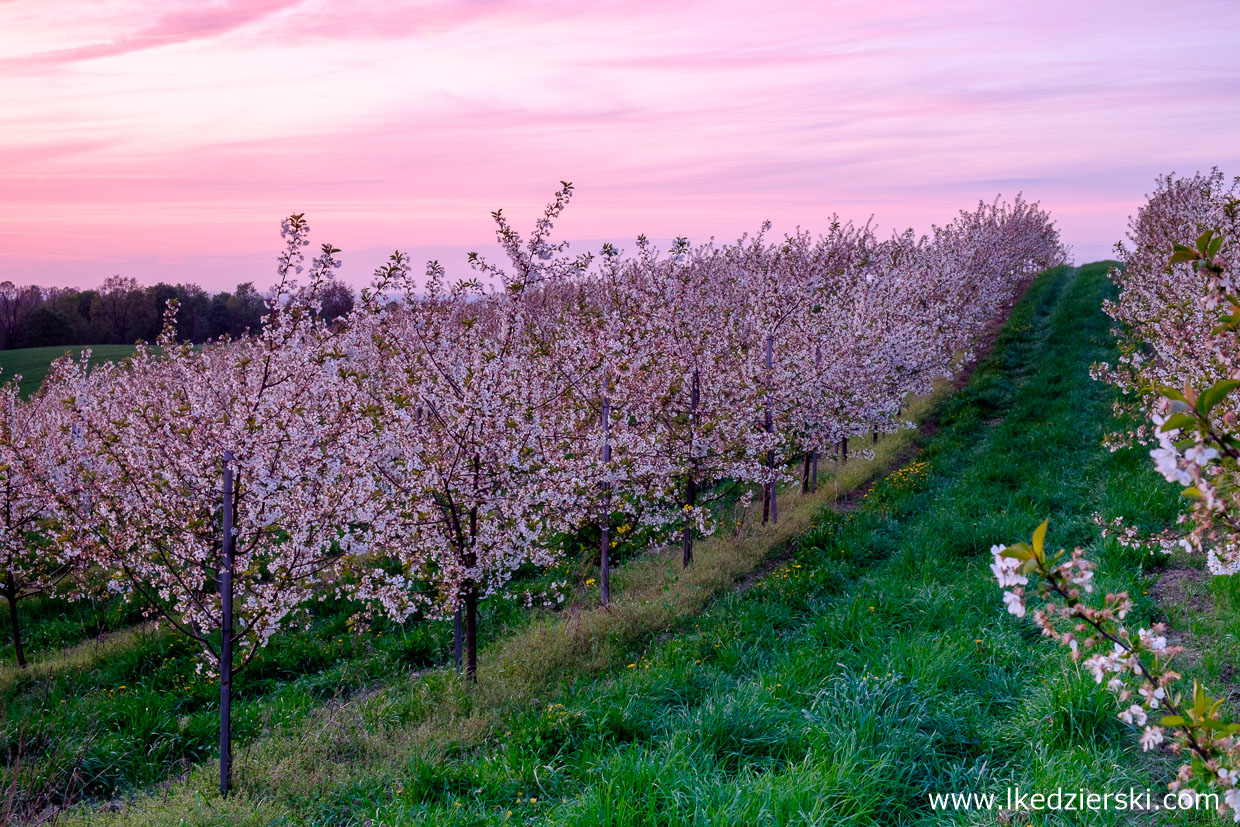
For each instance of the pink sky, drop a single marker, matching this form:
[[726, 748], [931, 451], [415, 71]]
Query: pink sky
[[165, 139]]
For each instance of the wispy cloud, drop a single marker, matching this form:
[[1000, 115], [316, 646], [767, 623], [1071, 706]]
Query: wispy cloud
[[172, 25], [160, 130]]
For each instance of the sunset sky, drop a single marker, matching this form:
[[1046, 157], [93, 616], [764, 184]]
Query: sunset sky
[[165, 139]]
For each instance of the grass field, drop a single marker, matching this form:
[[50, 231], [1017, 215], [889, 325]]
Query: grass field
[[870, 666], [32, 363]]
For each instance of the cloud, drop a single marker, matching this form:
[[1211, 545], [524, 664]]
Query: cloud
[[179, 25], [156, 128]]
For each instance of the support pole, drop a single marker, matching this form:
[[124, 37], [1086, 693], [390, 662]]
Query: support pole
[[691, 485], [458, 639], [770, 428], [604, 564], [226, 630]]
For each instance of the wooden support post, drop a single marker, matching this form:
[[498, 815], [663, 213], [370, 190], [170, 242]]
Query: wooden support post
[[605, 515], [226, 629]]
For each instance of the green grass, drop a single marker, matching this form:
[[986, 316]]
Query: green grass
[[873, 665], [32, 363]]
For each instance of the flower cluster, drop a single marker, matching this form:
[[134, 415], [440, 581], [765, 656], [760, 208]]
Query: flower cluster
[[1134, 665]]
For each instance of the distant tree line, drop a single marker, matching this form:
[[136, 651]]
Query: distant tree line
[[121, 312]]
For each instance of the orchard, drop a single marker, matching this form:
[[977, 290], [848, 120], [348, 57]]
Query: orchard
[[603, 454], [438, 443]]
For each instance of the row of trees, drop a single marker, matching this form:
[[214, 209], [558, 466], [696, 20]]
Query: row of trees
[[120, 312], [417, 453], [1178, 320]]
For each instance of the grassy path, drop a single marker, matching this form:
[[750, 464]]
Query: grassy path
[[872, 668]]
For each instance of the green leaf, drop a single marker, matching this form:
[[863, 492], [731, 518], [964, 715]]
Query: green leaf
[[1215, 394], [1203, 240], [1182, 253], [1039, 538], [1019, 551], [1192, 492], [1170, 393], [1172, 720], [1201, 701], [1180, 421]]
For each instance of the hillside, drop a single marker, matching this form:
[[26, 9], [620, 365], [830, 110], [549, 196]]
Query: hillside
[[32, 363]]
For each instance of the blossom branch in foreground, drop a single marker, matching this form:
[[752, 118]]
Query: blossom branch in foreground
[[1193, 728]]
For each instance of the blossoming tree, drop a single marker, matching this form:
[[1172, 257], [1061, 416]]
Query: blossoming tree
[[162, 431]]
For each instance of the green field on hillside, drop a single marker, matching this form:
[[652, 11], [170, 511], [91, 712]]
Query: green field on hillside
[[870, 666], [32, 363]]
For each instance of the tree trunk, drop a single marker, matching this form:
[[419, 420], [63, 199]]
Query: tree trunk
[[604, 558], [774, 501], [844, 450], [805, 473], [876, 436], [471, 589], [226, 631], [813, 479], [10, 596], [471, 633]]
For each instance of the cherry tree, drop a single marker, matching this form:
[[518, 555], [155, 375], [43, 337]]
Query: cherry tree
[[265, 416], [33, 561], [470, 459]]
